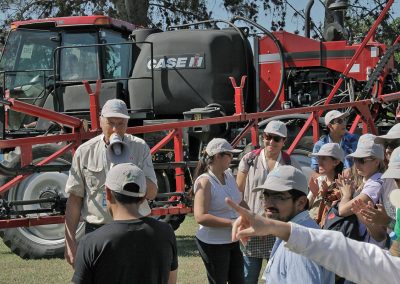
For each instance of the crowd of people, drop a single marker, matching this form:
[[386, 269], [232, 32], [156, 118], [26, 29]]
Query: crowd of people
[[277, 214]]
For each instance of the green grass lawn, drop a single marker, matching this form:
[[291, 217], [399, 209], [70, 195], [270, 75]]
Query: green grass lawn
[[16, 270]]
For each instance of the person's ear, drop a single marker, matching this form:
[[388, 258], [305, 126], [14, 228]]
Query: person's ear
[[301, 202], [109, 196]]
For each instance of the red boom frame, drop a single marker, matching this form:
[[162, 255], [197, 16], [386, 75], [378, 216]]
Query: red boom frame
[[79, 133]]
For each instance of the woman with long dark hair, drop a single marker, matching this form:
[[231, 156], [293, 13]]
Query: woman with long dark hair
[[214, 182], [323, 189]]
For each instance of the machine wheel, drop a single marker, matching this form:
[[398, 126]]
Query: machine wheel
[[46, 241]]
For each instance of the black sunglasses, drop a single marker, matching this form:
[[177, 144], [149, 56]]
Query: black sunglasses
[[362, 161], [392, 144], [269, 137]]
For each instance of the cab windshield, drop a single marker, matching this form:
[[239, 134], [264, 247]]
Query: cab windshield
[[27, 67]]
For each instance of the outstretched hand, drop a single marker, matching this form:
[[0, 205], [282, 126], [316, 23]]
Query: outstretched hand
[[250, 224]]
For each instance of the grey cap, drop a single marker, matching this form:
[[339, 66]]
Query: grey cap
[[367, 137], [276, 127], [285, 178], [393, 133], [393, 170], [366, 147], [333, 114], [330, 150], [219, 145], [123, 174], [115, 108]]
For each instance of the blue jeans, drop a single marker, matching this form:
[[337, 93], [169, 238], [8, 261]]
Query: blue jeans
[[252, 267]]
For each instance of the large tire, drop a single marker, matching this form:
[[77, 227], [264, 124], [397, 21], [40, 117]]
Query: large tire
[[46, 241]]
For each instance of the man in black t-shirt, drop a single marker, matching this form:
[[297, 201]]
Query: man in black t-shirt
[[133, 248]]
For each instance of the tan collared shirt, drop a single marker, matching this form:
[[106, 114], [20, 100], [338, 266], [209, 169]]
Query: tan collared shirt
[[90, 167]]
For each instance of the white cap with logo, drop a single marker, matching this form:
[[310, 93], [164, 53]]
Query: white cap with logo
[[333, 114], [366, 147], [122, 174], [276, 127], [285, 178], [330, 150], [115, 108], [219, 145], [393, 170], [393, 133]]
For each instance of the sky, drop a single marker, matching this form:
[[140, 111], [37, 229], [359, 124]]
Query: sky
[[292, 23]]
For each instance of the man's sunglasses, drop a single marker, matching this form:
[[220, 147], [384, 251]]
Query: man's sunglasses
[[339, 121], [362, 161], [392, 144], [269, 137]]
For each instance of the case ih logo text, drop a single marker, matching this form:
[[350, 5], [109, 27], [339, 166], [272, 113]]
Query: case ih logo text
[[187, 61]]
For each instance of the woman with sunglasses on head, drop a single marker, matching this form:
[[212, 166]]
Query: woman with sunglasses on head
[[384, 214], [252, 172], [323, 189], [368, 162], [214, 182], [335, 122]]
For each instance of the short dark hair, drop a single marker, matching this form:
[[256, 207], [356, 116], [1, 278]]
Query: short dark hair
[[125, 199], [296, 194]]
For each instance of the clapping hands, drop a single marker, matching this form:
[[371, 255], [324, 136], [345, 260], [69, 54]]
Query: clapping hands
[[346, 186]]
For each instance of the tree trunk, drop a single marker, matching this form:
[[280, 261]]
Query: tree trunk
[[136, 11]]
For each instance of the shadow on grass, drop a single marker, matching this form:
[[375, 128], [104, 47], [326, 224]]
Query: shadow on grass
[[187, 246]]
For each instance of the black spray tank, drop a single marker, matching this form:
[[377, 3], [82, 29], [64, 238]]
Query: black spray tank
[[191, 70]]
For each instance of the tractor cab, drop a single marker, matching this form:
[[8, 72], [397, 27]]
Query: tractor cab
[[44, 62]]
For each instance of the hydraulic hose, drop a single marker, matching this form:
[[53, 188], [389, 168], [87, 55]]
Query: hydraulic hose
[[281, 56]]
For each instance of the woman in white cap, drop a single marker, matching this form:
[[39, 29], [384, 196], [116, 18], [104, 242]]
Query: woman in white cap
[[323, 189], [368, 161], [384, 214], [222, 257]]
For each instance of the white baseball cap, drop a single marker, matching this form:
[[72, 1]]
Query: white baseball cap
[[333, 114], [285, 178], [276, 127], [330, 150], [219, 145], [393, 133], [122, 174], [366, 147], [115, 108], [393, 170]]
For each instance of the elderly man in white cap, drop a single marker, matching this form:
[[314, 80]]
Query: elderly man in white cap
[[284, 195], [90, 164], [335, 122], [132, 248], [253, 171]]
